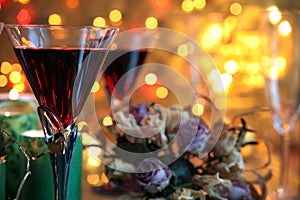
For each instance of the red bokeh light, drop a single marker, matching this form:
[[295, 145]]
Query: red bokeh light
[[160, 4], [23, 17]]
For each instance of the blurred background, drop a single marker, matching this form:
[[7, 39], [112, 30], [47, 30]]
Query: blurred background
[[227, 29]]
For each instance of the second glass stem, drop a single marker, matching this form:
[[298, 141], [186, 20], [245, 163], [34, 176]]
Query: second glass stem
[[283, 189]]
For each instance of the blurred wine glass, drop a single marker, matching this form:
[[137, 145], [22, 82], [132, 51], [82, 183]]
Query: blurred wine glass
[[281, 68]]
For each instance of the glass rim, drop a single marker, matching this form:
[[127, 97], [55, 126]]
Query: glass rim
[[34, 26]]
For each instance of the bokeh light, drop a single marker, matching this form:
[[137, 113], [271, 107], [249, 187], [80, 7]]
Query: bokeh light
[[161, 3], [226, 79], [54, 19], [15, 77], [107, 121], [5, 67], [23, 16], [187, 5], [151, 23], [95, 87], [3, 81], [24, 2], [20, 87], [162, 92], [72, 3], [212, 36], [115, 15], [274, 15], [150, 79], [231, 66], [183, 50], [198, 109], [284, 28], [99, 21], [16, 67], [13, 94], [93, 161], [199, 4], [93, 179], [236, 8]]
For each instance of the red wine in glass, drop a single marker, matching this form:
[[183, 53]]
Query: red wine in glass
[[120, 63], [52, 73]]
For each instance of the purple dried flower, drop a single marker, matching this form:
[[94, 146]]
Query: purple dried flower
[[154, 176], [192, 135], [139, 111], [239, 191]]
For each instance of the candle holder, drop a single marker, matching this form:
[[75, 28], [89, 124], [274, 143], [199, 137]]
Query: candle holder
[[16, 117]]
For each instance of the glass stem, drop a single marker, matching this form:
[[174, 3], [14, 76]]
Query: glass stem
[[61, 142], [61, 166], [283, 189]]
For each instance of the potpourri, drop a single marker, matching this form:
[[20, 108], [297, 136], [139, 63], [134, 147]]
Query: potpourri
[[218, 174]]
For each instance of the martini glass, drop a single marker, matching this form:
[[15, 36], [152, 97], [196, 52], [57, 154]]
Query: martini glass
[[281, 67], [61, 64]]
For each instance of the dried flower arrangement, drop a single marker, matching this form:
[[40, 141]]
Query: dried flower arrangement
[[195, 173]]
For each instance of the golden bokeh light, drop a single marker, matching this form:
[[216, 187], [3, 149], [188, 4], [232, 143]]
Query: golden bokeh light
[[150, 79], [24, 2], [20, 87], [199, 4], [95, 87], [93, 161], [231, 22], [252, 68], [3, 81], [151, 23], [54, 19], [88, 140], [236, 8], [15, 77], [115, 15], [162, 92], [99, 21], [187, 5], [231, 66], [93, 179], [104, 178], [16, 67], [277, 69], [5, 67], [107, 121], [81, 124], [183, 50], [212, 36], [284, 28], [198, 109]]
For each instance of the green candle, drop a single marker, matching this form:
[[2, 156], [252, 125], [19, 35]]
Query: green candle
[[2, 176], [40, 185], [16, 116]]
